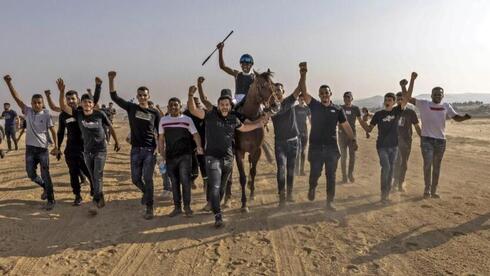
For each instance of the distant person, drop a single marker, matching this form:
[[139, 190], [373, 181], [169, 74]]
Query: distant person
[[352, 113], [38, 123], [323, 148], [433, 115], [22, 127], [303, 115], [366, 115], [408, 118], [9, 116], [143, 125]]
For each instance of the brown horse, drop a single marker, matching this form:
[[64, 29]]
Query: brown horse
[[261, 92]]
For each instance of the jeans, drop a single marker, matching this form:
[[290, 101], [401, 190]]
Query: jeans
[[346, 145], [76, 167], [300, 159], [432, 153], [179, 170], [95, 162], [10, 135], [143, 161], [167, 183], [404, 149], [286, 153], [198, 164], [320, 155], [387, 158], [218, 171], [35, 156]]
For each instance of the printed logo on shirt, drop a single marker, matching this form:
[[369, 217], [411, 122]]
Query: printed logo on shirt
[[401, 122], [389, 118], [332, 110], [437, 108], [70, 120], [143, 116], [348, 112], [91, 125]]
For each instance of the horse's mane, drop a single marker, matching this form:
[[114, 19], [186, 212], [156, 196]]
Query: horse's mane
[[267, 75]]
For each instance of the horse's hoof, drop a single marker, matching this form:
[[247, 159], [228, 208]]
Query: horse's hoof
[[245, 209]]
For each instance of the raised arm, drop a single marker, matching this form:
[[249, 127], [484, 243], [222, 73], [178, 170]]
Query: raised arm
[[51, 103], [410, 88], [14, 93], [222, 65], [191, 105], [61, 87], [119, 101], [98, 88], [303, 69], [203, 97], [405, 97]]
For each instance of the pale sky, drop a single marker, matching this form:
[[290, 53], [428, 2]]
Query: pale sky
[[362, 46]]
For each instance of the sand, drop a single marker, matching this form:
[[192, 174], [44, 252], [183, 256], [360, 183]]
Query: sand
[[450, 236]]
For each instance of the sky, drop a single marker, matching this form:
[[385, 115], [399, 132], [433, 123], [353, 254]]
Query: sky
[[362, 46]]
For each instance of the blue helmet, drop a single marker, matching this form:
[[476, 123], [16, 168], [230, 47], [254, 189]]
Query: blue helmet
[[246, 58]]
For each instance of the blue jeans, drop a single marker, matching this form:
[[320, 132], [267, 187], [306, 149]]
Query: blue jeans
[[286, 153], [179, 169], [218, 171], [320, 155], [346, 149], [95, 162], [300, 159], [35, 156], [387, 157], [10, 135], [432, 153], [401, 163], [143, 161]]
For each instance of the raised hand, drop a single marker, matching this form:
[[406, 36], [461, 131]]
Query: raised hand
[[47, 93], [112, 75], [98, 81], [413, 76], [7, 78], [303, 67], [403, 82], [200, 80], [220, 46], [192, 90], [61, 84]]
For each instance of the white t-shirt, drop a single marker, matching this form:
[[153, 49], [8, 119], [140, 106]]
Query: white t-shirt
[[433, 117], [179, 122], [38, 124]]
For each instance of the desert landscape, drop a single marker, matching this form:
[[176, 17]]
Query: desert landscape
[[412, 236]]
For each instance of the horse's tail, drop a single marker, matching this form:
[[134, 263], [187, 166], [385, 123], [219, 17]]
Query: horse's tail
[[267, 149]]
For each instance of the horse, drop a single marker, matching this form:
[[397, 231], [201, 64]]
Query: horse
[[261, 92]]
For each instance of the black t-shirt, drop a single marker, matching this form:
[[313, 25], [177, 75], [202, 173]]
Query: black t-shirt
[[199, 124], [220, 133], [407, 119], [351, 113], [285, 120], [92, 128], [243, 82], [143, 122], [387, 122], [178, 133], [302, 113], [324, 120], [74, 141]]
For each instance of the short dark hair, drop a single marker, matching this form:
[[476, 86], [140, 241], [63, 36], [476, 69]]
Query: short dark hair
[[71, 93], [37, 96], [325, 86], [87, 96], [174, 99], [6, 103], [437, 88], [143, 88], [390, 95], [399, 94]]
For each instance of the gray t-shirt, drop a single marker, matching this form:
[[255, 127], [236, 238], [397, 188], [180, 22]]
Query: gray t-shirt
[[405, 122], [37, 125], [351, 113]]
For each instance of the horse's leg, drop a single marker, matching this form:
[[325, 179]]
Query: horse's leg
[[253, 159], [243, 178]]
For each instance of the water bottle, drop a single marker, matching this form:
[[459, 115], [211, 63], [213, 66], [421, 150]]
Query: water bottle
[[163, 168]]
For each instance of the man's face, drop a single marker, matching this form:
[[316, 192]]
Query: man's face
[[174, 108], [324, 93], [246, 67], [110, 105], [142, 95], [347, 99], [224, 107], [37, 104], [88, 105], [72, 100], [399, 100], [6, 107], [389, 102], [437, 96], [301, 100], [279, 91]]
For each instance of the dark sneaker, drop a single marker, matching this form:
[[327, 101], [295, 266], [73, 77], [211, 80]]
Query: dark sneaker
[[218, 221], [188, 211], [426, 195], [352, 179], [177, 211], [207, 207], [44, 195], [77, 201], [143, 199], [50, 205], [148, 212], [331, 207], [101, 202], [2, 154], [311, 194], [436, 196]]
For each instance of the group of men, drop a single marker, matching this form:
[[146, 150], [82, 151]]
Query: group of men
[[201, 138]]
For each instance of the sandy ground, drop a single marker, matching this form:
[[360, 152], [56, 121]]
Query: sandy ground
[[450, 236]]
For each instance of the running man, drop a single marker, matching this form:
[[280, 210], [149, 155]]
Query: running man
[[9, 115], [433, 115], [352, 113], [177, 133], [38, 122], [220, 124], [143, 125], [91, 122], [323, 148], [303, 115], [408, 118]]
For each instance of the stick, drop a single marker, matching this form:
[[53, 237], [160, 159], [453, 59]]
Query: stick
[[206, 60]]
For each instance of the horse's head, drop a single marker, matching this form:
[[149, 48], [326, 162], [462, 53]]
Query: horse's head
[[265, 88]]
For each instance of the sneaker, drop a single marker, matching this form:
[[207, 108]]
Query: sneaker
[[426, 195], [77, 201], [188, 211], [50, 205], [101, 202], [436, 196], [177, 211], [352, 179], [207, 207], [44, 195], [331, 207], [148, 212], [218, 221], [2, 154], [143, 200], [311, 194]]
